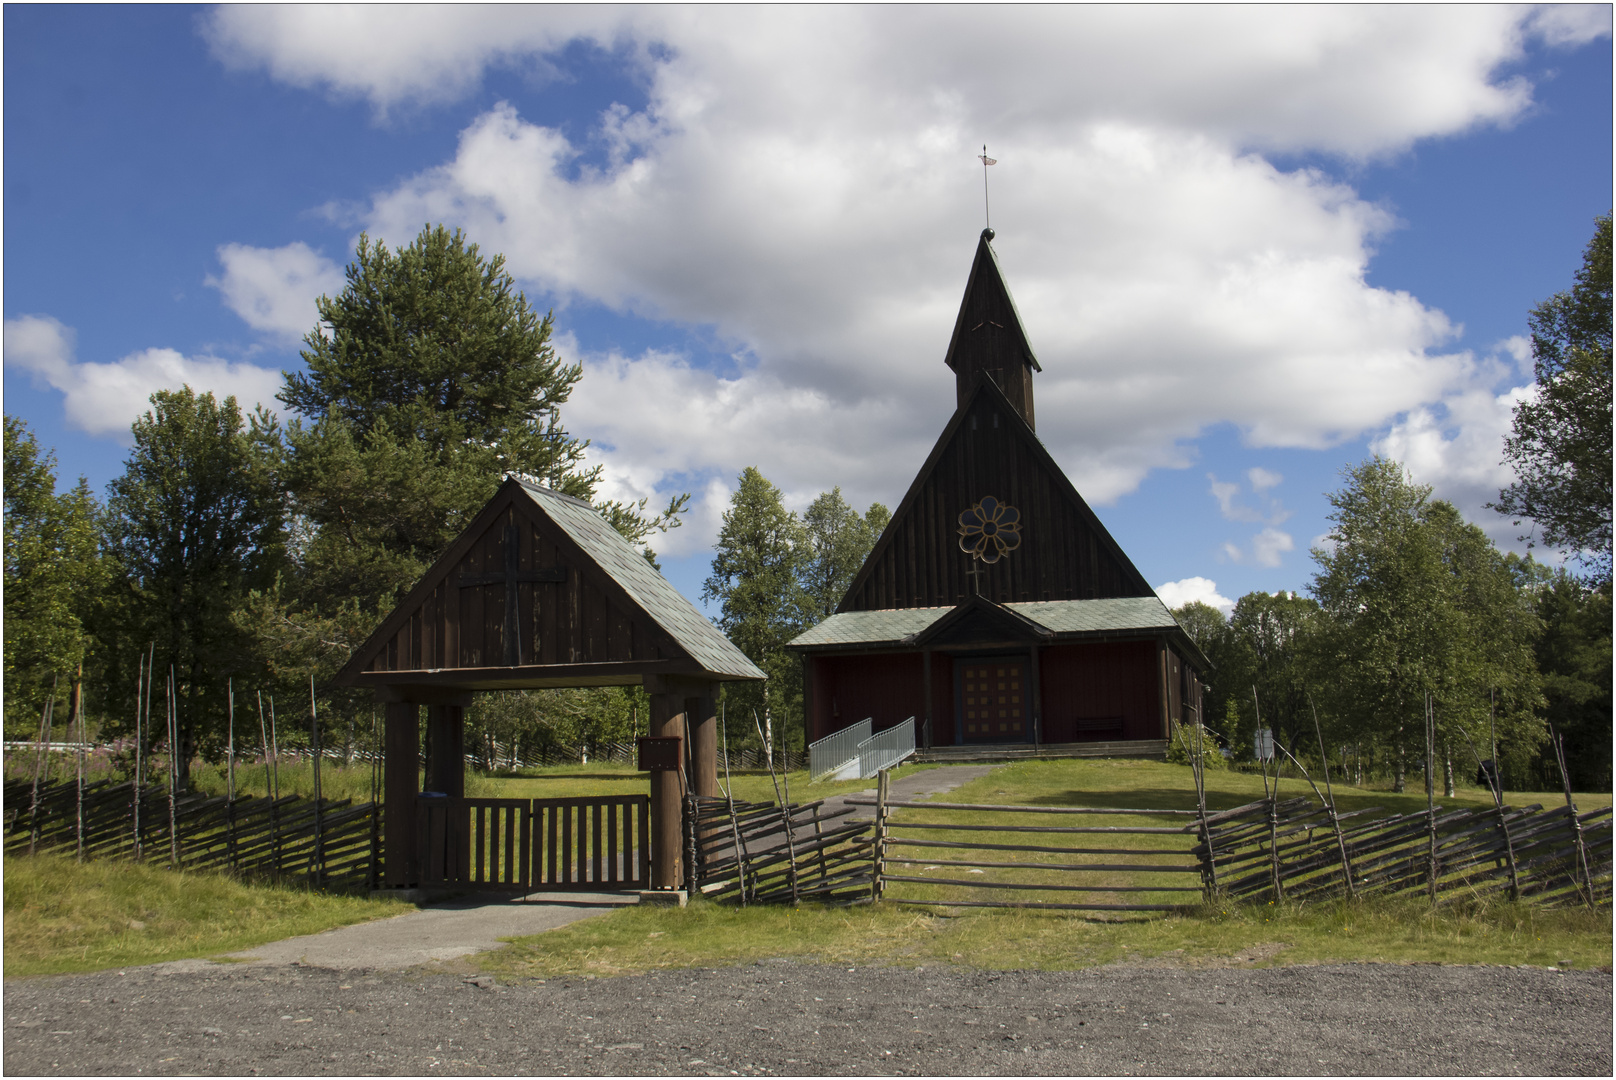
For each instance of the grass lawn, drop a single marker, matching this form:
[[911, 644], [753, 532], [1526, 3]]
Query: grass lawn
[[1391, 930], [61, 916], [568, 781]]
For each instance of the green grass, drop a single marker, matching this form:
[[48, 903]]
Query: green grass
[[706, 934], [63, 916]]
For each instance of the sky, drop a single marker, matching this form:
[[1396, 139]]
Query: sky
[[1251, 246]]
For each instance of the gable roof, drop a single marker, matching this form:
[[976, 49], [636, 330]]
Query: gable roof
[[988, 448], [612, 621], [980, 619], [655, 594]]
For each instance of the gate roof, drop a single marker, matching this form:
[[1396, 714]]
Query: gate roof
[[540, 591]]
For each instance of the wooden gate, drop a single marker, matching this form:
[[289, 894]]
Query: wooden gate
[[594, 844]]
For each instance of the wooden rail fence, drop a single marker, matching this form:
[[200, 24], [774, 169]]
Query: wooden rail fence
[[1298, 848], [329, 843], [759, 853]]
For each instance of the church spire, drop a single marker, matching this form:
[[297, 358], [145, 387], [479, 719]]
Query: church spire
[[988, 338]]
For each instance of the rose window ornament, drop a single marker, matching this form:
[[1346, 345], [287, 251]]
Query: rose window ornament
[[990, 530]]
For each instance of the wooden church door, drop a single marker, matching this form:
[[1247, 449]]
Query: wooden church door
[[992, 698]]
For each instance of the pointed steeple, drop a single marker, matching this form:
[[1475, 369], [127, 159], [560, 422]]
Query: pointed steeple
[[988, 338]]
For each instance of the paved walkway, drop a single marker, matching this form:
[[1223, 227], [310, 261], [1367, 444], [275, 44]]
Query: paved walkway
[[458, 928], [440, 931]]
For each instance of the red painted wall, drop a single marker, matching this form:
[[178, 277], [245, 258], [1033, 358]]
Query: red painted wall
[[886, 688], [1100, 692], [1090, 693]]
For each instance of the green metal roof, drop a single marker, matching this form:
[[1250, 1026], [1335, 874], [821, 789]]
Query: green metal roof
[[617, 558], [861, 627], [1098, 616], [1119, 615]]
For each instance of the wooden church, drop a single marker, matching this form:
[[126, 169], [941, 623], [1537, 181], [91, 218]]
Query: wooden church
[[995, 610]]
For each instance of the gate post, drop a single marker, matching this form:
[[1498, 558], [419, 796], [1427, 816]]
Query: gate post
[[701, 716], [667, 802], [400, 761]]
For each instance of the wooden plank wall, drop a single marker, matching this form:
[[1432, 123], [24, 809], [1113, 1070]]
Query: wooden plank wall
[[579, 621], [886, 687], [1085, 685], [1061, 556]]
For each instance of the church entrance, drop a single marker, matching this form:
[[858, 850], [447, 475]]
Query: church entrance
[[991, 693]]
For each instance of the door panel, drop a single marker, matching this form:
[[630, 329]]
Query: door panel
[[992, 695]]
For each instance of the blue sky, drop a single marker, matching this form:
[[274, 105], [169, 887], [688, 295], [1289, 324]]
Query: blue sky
[[1251, 246]]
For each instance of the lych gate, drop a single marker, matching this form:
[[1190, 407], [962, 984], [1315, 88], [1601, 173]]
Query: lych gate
[[540, 592]]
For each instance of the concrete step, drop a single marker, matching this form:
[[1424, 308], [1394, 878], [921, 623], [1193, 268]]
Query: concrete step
[[1155, 749]]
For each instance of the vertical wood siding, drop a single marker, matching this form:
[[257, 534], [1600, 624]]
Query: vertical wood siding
[[580, 620], [1102, 691], [1061, 556]]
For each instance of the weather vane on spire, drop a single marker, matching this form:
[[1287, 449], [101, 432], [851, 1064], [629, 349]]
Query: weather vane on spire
[[986, 161]]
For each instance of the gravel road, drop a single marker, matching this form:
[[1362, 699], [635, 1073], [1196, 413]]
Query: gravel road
[[782, 1017]]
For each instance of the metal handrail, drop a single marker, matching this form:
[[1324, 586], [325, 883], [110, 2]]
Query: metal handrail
[[886, 749], [837, 749]]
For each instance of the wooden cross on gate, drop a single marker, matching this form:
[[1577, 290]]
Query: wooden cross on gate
[[510, 577]]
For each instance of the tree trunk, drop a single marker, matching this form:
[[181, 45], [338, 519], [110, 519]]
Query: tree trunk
[[1447, 771], [1400, 773]]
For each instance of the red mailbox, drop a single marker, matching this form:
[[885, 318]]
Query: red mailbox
[[660, 753]]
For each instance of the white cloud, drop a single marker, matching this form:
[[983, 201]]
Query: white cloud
[[274, 289], [1176, 594], [105, 399], [1262, 479], [1268, 545], [1225, 492], [1356, 80], [1457, 447], [1570, 24], [798, 183]]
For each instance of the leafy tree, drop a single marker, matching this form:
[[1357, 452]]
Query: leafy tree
[[194, 524], [1560, 447], [1574, 656], [756, 579], [838, 541], [1271, 642], [53, 574], [1417, 602]]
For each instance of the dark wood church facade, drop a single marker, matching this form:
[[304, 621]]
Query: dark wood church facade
[[996, 609]]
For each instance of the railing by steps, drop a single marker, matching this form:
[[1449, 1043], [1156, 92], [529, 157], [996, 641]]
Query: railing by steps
[[886, 749], [837, 749]]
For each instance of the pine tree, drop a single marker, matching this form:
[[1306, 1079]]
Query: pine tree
[[430, 377]]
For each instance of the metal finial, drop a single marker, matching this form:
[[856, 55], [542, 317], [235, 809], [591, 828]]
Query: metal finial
[[987, 216]]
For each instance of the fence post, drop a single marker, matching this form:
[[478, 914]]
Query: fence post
[[879, 839], [1576, 823]]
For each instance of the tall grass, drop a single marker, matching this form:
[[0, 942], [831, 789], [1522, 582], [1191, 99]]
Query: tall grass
[[62, 916]]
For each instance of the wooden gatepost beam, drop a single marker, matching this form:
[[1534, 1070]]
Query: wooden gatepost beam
[[401, 773], [683, 708]]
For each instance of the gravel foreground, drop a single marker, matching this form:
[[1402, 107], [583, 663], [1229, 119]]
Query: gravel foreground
[[781, 1017]]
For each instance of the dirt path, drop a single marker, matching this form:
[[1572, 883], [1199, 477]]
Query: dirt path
[[788, 1018]]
